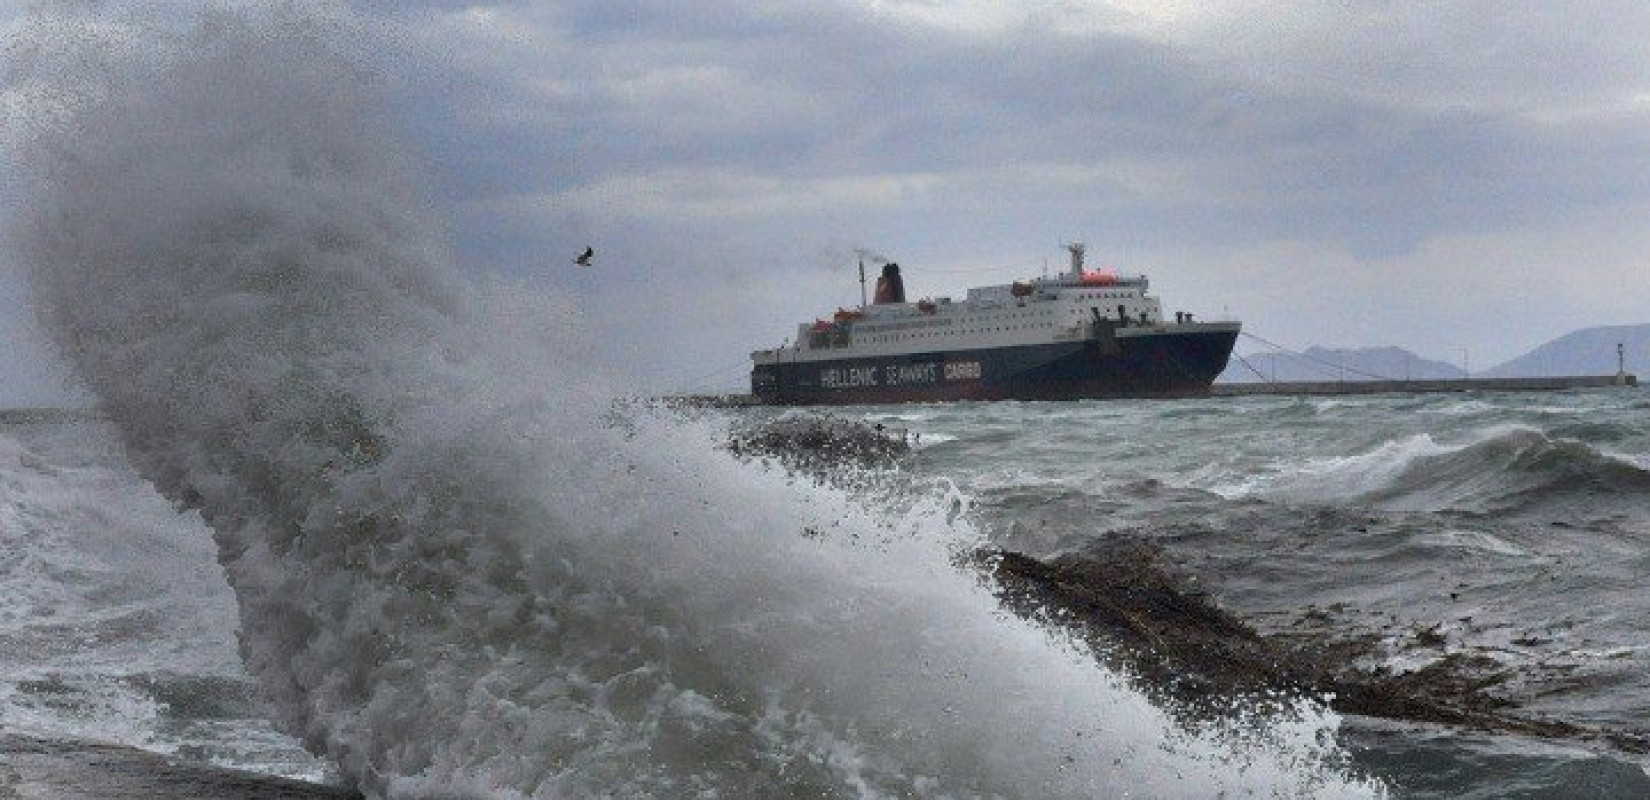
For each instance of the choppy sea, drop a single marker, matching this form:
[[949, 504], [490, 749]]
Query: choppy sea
[[1507, 527], [1512, 527]]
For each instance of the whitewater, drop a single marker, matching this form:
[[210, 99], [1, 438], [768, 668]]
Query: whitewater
[[457, 568]]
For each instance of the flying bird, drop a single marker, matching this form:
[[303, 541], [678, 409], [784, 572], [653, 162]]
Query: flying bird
[[584, 258]]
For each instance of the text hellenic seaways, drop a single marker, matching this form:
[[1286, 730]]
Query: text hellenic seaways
[[898, 375]]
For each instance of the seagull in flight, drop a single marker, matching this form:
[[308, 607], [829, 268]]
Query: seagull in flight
[[584, 258]]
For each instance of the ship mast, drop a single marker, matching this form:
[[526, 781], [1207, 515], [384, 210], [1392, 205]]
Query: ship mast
[[1076, 249], [862, 300]]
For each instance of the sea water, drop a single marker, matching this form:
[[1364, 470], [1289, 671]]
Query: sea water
[[1513, 524]]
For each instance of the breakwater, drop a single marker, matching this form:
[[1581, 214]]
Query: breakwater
[[1552, 384], [1307, 388]]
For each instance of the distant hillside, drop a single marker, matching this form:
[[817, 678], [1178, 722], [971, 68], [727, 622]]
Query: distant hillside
[[1323, 364], [1590, 351]]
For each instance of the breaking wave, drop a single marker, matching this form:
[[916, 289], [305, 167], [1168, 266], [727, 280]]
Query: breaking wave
[[1503, 468], [455, 576]]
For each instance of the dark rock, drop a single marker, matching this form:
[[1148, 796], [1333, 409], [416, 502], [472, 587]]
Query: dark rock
[[69, 770], [815, 443], [1148, 621], [1429, 637]]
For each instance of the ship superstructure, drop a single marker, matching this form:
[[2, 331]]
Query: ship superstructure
[[1079, 334]]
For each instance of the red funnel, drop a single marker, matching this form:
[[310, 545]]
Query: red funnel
[[890, 287]]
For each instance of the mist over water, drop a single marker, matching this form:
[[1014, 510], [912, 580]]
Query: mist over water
[[460, 570]]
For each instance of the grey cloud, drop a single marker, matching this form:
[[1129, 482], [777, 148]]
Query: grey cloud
[[1518, 56], [816, 90]]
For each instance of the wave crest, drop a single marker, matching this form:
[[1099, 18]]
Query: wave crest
[[1503, 468]]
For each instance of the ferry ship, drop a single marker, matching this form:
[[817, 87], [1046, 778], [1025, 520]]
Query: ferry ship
[[1080, 334]]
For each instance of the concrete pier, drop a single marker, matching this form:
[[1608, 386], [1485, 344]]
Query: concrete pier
[[1424, 387]]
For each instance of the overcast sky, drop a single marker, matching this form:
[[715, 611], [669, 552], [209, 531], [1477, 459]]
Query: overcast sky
[[1447, 176]]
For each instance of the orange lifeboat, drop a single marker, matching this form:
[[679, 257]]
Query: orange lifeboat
[[1021, 289], [926, 306], [844, 315], [1099, 278]]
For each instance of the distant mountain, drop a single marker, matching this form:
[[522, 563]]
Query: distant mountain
[[1324, 364], [1589, 351]]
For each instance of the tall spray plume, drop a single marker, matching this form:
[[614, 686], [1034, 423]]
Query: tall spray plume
[[460, 572]]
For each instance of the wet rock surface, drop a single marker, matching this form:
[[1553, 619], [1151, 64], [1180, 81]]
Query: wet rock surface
[[38, 769], [816, 443], [1150, 620]]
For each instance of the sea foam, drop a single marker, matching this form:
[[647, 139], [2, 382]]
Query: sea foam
[[460, 571]]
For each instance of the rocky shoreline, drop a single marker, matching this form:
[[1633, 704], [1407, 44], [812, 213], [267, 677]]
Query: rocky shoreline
[[1145, 619], [41, 769], [1149, 620]]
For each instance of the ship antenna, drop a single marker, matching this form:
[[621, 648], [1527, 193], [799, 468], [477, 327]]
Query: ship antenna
[[862, 283]]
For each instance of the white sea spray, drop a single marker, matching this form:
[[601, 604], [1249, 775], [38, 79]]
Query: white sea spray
[[459, 572]]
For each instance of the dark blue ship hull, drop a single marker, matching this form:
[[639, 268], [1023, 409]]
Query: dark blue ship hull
[[1181, 363]]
